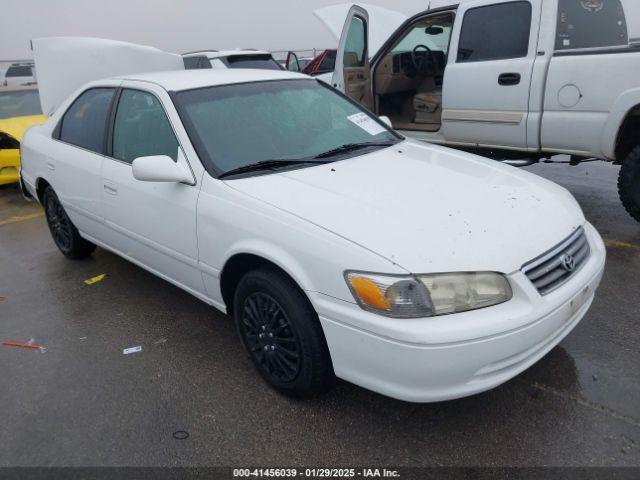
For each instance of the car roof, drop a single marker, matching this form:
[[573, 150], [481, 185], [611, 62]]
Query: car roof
[[188, 79], [225, 53]]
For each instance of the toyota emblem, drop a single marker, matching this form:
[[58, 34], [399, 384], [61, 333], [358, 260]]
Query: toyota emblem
[[568, 262]]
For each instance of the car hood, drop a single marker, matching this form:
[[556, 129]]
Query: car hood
[[64, 64], [16, 126], [427, 208]]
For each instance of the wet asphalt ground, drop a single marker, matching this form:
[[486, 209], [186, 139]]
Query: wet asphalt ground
[[81, 402]]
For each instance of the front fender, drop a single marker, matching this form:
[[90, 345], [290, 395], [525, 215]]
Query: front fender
[[274, 254], [626, 102], [231, 222]]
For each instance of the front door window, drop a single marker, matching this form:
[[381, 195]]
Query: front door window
[[142, 128]]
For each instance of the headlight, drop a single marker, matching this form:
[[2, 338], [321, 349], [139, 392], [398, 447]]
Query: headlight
[[427, 295]]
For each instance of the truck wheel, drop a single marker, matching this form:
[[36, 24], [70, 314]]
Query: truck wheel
[[282, 334], [64, 232], [629, 183]]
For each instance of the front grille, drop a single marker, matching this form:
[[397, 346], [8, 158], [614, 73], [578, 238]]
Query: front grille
[[552, 269]]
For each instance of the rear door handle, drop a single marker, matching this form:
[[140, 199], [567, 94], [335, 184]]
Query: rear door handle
[[509, 79], [110, 188]]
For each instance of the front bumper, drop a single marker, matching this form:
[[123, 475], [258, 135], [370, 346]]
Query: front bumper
[[442, 358]]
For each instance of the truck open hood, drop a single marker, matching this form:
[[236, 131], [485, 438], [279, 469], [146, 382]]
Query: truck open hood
[[426, 208], [64, 64], [382, 22]]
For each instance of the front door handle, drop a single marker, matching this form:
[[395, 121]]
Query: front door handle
[[507, 79]]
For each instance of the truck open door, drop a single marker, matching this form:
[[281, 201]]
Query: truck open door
[[361, 30], [489, 73], [352, 74]]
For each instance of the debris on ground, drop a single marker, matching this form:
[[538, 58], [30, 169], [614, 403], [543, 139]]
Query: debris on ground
[[96, 279], [180, 435], [29, 345], [127, 351]]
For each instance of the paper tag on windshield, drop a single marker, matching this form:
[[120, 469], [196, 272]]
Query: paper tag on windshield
[[366, 123]]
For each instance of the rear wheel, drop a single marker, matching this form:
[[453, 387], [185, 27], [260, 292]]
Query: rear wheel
[[629, 183], [65, 234], [282, 334]]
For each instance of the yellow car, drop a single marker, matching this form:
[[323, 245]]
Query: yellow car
[[19, 110]]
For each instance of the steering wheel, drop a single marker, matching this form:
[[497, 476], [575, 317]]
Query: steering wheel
[[421, 63]]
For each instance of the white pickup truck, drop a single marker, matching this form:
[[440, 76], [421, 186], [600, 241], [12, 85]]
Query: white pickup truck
[[523, 79]]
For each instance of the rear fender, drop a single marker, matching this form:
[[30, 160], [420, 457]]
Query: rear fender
[[624, 104]]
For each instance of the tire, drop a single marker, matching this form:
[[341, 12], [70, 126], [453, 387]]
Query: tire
[[282, 334], [64, 233], [629, 183]]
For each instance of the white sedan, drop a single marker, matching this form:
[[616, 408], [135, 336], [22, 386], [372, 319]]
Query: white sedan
[[338, 246]]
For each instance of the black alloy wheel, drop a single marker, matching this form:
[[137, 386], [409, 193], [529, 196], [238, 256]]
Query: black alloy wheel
[[64, 232], [282, 333], [271, 340], [59, 224]]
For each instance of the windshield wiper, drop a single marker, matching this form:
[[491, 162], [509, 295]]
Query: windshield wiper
[[265, 165], [350, 147]]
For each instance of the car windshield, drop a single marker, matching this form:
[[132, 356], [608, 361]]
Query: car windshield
[[238, 125], [19, 103]]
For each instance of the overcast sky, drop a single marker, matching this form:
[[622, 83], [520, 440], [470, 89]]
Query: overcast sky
[[176, 25]]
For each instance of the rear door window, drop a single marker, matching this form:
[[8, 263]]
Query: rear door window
[[21, 71], [591, 24], [196, 63], [142, 128], [85, 122], [260, 61], [495, 32]]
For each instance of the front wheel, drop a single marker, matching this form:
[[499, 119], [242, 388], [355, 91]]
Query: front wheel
[[64, 232], [629, 183], [282, 334]]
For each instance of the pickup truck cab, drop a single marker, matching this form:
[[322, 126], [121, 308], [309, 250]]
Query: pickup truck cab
[[512, 79]]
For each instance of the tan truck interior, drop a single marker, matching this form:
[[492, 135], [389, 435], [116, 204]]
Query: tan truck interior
[[407, 82]]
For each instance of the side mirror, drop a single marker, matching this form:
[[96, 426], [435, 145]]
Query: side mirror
[[292, 63], [386, 120], [433, 30], [160, 168]]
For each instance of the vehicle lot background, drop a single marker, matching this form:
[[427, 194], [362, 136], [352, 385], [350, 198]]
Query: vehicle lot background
[[176, 26], [83, 402]]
